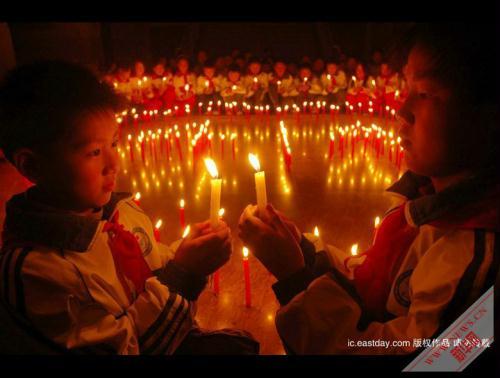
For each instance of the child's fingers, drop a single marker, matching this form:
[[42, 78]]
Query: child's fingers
[[275, 219]]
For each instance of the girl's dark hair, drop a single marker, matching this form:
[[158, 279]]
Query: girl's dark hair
[[40, 103], [463, 57]]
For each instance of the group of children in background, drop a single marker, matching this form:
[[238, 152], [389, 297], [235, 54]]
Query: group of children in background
[[253, 82]]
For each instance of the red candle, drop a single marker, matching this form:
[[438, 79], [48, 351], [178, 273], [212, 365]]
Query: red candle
[[353, 143], [233, 138], [130, 144], [222, 139], [341, 145], [157, 230], [332, 145], [182, 216], [167, 145], [377, 223], [137, 199], [143, 157], [178, 144], [366, 141], [246, 273]]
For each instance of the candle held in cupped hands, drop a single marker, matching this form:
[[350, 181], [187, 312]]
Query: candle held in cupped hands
[[215, 192], [260, 183]]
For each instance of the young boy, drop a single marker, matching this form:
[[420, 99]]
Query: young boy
[[361, 89], [184, 83], [208, 86], [387, 83], [334, 83], [233, 88], [435, 253], [80, 265], [256, 83], [282, 86], [308, 86]]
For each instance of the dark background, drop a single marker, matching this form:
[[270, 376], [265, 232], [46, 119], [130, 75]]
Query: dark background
[[99, 44]]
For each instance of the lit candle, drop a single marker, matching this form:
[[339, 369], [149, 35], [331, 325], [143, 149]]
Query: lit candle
[[215, 192], [375, 228], [186, 231], [131, 147], [157, 230], [246, 272], [316, 231], [260, 183], [332, 144], [233, 138], [137, 199], [178, 144], [182, 215], [222, 139]]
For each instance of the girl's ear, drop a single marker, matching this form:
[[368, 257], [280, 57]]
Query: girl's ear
[[26, 162]]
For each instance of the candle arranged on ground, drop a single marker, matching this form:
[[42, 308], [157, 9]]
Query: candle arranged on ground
[[137, 199], [246, 273], [157, 230], [215, 192], [131, 146], [260, 183], [182, 216], [375, 228]]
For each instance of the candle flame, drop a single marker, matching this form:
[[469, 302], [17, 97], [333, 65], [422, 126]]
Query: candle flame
[[221, 212], [211, 167], [158, 224], [137, 196], [245, 252], [181, 203], [377, 221], [354, 250], [316, 231], [254, 160], [186, 231]]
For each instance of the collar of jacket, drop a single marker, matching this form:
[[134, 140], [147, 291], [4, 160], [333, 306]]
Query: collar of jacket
[[472, 203], [29, 221]]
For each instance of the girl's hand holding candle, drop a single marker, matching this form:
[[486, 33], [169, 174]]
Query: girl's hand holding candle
[[215, 191], [260, 183]]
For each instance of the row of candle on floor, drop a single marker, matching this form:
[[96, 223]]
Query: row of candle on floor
[[234, 108]]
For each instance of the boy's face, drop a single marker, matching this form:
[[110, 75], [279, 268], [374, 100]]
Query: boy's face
[[360, 72], [305, 72], [233, 76], [280, 69], [254, 68], [82, 169], [159, 69], [209, 71], [139, 69], [183, 66], [384, 69], [428, 118], [331, 68]]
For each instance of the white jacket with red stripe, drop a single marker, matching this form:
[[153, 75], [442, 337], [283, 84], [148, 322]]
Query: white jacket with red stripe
[[432, 257], [59, 275]]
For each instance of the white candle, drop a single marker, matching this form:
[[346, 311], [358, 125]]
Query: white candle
[[260, 183], [214, 193]]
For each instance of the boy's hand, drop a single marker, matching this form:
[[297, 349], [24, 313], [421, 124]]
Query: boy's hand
[[271, 241], [204, 250], [294, 230]]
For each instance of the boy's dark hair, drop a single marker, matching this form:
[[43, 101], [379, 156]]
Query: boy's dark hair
[[234, 68], [40, 103], [464, 56], [209, 63]]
